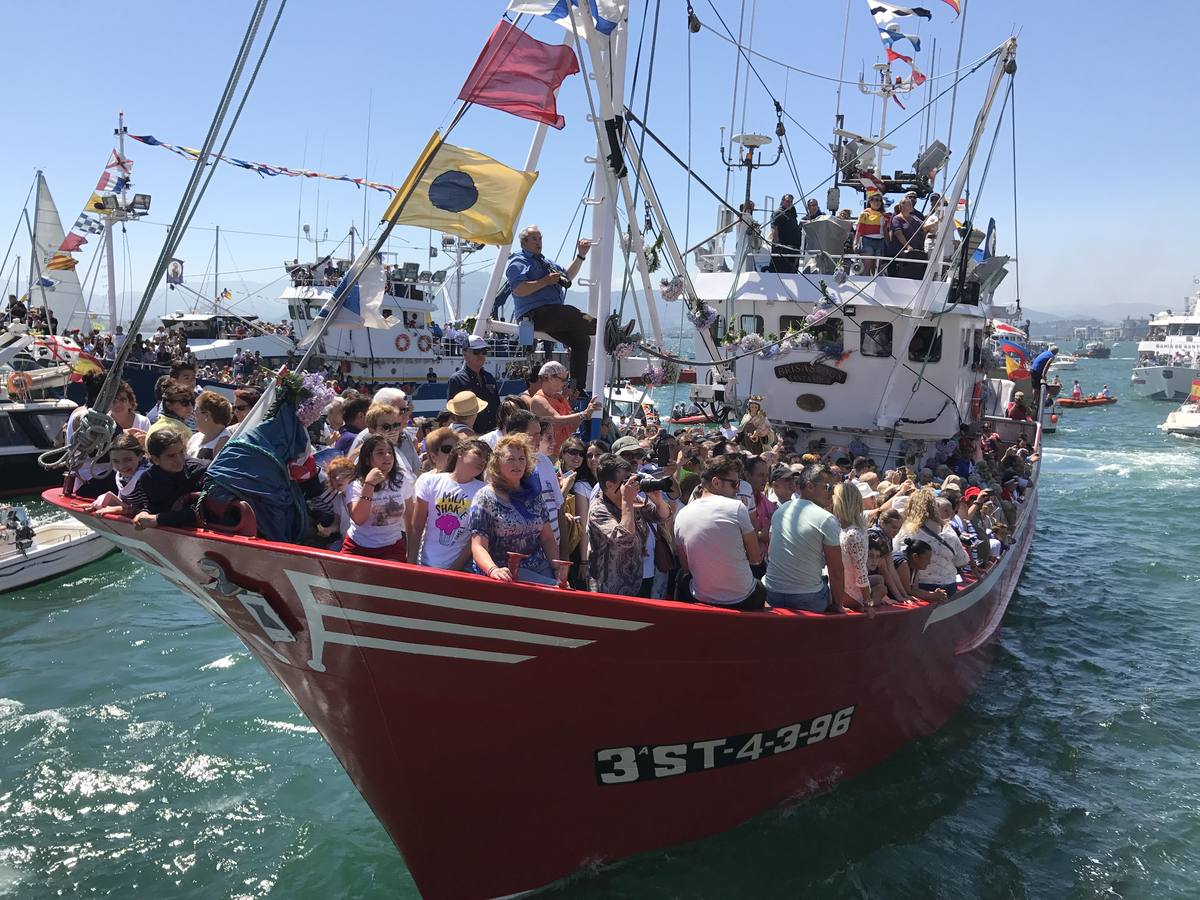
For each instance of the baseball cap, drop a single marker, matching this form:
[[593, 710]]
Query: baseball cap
[[476, 342]]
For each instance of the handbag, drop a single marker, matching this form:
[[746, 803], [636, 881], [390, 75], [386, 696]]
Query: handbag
[[574, 534]]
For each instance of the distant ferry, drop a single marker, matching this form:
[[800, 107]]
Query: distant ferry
[[1168, 360]]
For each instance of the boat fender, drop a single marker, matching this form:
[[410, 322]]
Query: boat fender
[[402, 342], [19, 383], [424, 344]]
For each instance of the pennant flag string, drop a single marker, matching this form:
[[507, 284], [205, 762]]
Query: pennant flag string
[[263, 169]]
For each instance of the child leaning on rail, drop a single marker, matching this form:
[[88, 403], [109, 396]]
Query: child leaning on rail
[[163, 495], [129, 465]]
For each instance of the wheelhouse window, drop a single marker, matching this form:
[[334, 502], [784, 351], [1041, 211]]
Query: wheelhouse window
[[750, 324], [926, 345], [827, 336], [875, 339]]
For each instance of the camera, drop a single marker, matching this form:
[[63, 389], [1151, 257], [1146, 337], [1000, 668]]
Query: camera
[[650, 483], [564, 282]]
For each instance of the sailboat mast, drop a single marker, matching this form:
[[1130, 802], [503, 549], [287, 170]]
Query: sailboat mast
[[217, 265], [37, 205], [110, 261]]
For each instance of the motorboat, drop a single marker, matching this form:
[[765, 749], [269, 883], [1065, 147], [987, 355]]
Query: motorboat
[[1186, 419], [33, 553], [1168, 358], [1085, 402]]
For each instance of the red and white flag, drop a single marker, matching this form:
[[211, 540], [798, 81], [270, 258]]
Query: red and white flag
[[117, 161]]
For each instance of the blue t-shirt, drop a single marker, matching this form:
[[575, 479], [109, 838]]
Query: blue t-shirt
[[524, 266], [1041, 361]]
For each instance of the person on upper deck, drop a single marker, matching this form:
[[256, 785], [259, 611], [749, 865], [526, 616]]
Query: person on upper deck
[[539, 294], [869, 233], [479, 381], [806, 538], [812, 210], [786, 237], [161, 496]]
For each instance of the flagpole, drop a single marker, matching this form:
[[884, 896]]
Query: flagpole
[[112, 275], [962, 30]]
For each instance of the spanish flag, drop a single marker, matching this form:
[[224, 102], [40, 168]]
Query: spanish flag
[[1015, 371], [459, 191], [86, 364], [61, 262], [1194, 396]]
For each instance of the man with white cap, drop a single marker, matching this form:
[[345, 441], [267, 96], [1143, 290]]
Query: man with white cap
[[479, 381]]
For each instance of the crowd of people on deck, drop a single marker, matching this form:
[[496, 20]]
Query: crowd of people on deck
[[507, 489]]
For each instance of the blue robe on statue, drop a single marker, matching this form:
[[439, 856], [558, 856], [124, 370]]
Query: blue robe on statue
[[254, 467]]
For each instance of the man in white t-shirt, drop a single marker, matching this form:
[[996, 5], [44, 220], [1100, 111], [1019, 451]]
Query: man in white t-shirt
[[717, 544]]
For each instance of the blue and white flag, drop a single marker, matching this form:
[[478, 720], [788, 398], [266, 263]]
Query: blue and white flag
[[892, 33], [46, 283], [987, 249], [605, 13], [363, 303]]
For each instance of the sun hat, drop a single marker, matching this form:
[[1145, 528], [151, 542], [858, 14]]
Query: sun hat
[[866, 490], [621, 445], [465, 403]]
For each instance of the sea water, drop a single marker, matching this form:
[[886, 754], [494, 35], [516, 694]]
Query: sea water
[[144, 753]]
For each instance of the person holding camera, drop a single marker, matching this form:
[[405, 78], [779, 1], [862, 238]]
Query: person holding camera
[[652, 482], [619, 525], [539, 289]]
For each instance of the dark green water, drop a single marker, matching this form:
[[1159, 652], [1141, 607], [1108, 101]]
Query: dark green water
[[144, 753]]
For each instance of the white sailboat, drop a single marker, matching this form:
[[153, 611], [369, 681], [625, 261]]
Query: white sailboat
[[56, 289]]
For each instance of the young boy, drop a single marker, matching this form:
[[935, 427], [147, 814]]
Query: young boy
[[160, 494]]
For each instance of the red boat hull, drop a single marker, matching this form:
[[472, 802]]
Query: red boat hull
[[507, 736]]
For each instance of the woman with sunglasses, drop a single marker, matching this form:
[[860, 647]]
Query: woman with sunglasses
[[443, 500], [243, 401], [572, 466], [438, 444], [869, 232], [178, 401]]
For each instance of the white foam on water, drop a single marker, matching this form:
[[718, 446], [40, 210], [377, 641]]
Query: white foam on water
[[225, 662], [286, 726], [1121, 463]]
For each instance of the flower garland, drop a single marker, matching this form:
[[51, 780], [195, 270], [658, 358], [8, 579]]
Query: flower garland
[[671, 290], [623, 351], [702, 316], [309, 392]]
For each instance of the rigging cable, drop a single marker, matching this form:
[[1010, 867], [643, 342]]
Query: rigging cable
[[96, 429], [1016, 218]]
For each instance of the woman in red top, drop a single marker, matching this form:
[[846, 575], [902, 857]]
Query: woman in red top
[[1016, 409], [549, 404]]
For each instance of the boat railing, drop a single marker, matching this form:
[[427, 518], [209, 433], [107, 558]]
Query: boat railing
[[820, 262]]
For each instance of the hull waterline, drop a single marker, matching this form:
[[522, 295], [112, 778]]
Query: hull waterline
[[507, 737]]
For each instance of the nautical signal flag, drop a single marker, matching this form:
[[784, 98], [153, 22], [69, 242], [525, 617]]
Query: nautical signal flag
[[61, 262], [88, 224], [72, 242], [605, 13], [459, 191], [519, 74]]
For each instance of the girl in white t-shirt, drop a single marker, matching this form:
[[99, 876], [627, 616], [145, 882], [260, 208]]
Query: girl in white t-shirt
[[378, 499], [443, 500], [129, 463]]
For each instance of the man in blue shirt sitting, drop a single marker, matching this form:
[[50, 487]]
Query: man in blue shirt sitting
[[539, 288]]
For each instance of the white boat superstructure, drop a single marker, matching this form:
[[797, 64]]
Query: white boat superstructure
[[1168, 359]]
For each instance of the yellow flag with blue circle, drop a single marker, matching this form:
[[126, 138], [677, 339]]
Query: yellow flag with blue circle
[[463, 192]]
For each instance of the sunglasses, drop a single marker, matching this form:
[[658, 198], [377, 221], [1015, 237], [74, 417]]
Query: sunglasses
[[733, 481], [445, 448], [191, 402], [572, 453], [241, 407], [390, 426]]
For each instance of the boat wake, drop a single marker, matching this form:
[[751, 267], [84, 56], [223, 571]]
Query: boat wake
[[1169, 464]]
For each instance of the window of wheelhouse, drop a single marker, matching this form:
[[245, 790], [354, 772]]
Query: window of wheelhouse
[[718, 328], [827, 336], [875, 339], [750, 324], [977, 349], [926, 345], [966, 346]]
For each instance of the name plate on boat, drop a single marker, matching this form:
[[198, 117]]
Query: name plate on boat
[[810, 373]]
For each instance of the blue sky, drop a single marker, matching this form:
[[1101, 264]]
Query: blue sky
[[1102, 107]]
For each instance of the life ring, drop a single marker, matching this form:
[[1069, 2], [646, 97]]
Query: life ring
[[20, 383], [424, 343], [977, 400], [402, 342]]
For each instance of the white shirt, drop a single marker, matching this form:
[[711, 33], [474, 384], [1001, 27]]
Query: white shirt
[[196, 443], [551, 492], [385, 523], [446, 533], [91, 468], [710, 530]]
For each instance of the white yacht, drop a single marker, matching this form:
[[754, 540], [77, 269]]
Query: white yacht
[[1168, 359]]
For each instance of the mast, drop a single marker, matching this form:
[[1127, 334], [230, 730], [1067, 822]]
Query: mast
[[33, 254], [458, 277], [111, 265], [217, 265]]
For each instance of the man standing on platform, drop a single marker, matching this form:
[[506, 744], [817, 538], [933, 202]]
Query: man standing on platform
[[539, 289], [479, 381], [785, 237], [1037, 371]]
